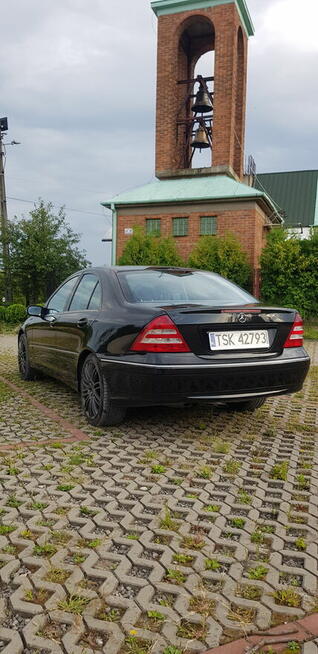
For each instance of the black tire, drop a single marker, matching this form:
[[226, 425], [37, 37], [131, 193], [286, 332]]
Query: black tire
[[95, 396], [26, 371], [247, 405]]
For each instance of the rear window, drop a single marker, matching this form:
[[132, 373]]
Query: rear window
[[181, 287]]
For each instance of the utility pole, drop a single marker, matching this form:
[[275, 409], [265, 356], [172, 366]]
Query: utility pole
[[4, 218]]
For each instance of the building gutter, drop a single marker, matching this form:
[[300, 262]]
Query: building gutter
[[268, 207], [114, 233]]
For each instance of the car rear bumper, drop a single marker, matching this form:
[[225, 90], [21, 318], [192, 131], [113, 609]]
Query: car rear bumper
[[141, 383]]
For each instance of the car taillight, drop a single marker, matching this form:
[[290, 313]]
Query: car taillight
[[160, 335], [296, 336]]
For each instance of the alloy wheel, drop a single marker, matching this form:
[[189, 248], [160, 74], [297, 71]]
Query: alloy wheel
[[22, 357], [91, 388]]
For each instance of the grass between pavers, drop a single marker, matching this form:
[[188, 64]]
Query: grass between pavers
[[225, 447]]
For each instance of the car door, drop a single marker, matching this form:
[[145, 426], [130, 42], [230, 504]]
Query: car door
[[42, 343], [73, 326]]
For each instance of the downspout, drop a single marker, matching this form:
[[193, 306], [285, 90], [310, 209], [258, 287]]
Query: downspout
[[114, 233], [316, 209]]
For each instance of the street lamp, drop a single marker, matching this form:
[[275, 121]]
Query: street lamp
[[4, 213]]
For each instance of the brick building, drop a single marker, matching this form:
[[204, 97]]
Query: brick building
[[197, 113]]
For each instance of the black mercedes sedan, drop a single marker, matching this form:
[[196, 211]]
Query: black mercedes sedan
[[146, 336]]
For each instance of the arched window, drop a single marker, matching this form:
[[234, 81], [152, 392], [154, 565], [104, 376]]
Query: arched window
[[195, 57], [204, 67]]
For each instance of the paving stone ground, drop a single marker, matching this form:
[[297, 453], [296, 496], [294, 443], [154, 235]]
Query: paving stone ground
[[176, 532]]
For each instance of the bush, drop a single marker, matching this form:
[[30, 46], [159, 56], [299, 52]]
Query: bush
[[289, 271], [149, 250], [2, 314], [15, 313], [223, 255]]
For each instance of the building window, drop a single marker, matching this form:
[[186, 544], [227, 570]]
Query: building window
[[208, 225], [153, 226], [180, 226]]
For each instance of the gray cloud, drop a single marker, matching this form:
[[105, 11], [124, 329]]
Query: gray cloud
[[77, 82]]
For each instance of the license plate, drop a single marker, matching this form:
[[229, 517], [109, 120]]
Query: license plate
[[249, 340]]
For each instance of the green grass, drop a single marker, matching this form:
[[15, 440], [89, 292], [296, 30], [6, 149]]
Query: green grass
[[65, 487], [205, 472], [175, 576], [184, 559], [74, 604], [232, 467], [279, 471], [311, 329], [44, 550], [13, 502], [243, 497], [301, 544], [92, 544], [259, 572], [85, 510], [38, 506], [6, 529], [167, 522], [212, 508], [158, 469], [6, 328], [287, 597], [212, 564], [57, 575]]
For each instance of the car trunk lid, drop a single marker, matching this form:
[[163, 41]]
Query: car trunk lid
[[236, 331]]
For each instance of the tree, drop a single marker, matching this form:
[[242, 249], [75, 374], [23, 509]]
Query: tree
[[149, 250], [289, 271], [43, 252], [223, 255]]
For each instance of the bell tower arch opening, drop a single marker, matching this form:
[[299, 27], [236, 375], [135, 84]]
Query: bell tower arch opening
[[205, 67], [195, 92]]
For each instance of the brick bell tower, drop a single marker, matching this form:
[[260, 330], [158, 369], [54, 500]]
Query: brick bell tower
[[188, 29], [196, 113]]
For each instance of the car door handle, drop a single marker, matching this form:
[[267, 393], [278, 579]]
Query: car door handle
[[82, 322], [51, 320]]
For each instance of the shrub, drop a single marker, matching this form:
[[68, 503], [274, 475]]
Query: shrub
[[2, 314], [223, 255], [15, 313], [289, 271], [149, 250]]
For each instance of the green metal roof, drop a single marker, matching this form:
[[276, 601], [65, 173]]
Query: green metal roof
[[190, 189], [296, 193], [164, 7]]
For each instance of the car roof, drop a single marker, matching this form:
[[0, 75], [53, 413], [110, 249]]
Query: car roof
[[127, 268]]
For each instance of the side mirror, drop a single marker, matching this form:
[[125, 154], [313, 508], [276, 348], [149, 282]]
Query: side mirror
[[35, 311]]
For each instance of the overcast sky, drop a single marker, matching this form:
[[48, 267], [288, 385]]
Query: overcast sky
[[77, 82]]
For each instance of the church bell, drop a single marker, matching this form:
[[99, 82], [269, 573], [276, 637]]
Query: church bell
[[200, 139], [202, 102]]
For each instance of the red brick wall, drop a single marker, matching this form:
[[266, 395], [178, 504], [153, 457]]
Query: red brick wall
[[230, 43], [247, 224]]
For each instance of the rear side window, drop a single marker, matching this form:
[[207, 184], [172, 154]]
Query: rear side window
[[95, 302], [60, 299], [181, 286], [84, 293]]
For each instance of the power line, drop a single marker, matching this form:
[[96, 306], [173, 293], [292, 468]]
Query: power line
[[91, 213]]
